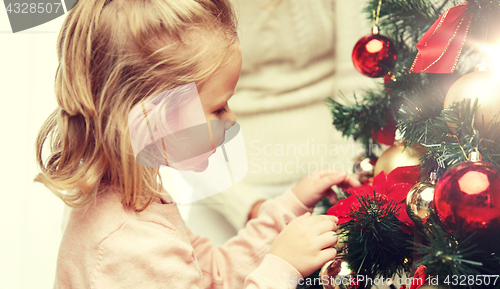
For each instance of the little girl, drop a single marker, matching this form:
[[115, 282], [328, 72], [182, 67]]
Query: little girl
[[124, 230]]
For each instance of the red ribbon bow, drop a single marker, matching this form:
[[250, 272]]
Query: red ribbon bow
[[394, 186], [441, 46]]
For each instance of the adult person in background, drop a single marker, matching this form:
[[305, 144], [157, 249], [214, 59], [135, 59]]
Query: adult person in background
[[295, 54]]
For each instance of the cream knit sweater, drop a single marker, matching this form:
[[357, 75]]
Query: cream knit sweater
[[295, 54]]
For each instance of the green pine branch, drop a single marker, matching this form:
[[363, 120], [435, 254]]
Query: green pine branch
[[359, 119], [375, 244], [448, 254], [447, 147]]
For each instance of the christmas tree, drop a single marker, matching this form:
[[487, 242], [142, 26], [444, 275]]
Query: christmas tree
[[431, 207]]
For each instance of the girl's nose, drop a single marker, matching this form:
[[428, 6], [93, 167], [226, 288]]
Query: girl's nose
[[230, 116]]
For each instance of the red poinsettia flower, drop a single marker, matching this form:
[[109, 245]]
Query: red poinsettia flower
[[419, 277], [394, 186]]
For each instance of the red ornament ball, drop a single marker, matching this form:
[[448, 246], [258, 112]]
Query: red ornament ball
[[468, 197], [374, 55], [387, 134]]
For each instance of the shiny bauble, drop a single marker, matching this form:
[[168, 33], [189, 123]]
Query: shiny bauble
[[481, 84], [335, 271], [364, 167], [468, 197], [387, 134], [374, 55], [419, 201], [328, 272], [397, 156]]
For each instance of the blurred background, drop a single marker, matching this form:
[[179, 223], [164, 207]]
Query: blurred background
[[31, 216]]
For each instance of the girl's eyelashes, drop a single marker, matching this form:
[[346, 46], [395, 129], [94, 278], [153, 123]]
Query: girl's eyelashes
[[220, 111]]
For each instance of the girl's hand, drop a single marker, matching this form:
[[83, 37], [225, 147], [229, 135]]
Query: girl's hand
[[306, 242], [319, 185]]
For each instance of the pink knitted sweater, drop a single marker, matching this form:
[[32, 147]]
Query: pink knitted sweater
[[108, 246]]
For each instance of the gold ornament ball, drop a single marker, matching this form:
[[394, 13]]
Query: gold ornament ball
[[481, 84], [398, 156], [330, 269], [364, 167], [336, 268], [419, 200]]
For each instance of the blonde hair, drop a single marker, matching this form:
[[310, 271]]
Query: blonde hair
[[112, 55]]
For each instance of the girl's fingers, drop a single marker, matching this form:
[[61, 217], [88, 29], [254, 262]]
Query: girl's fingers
[[331, 195], [327, 255], [350, 182], [325, 226], [326, 240], [314, 223], [331, 179]]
